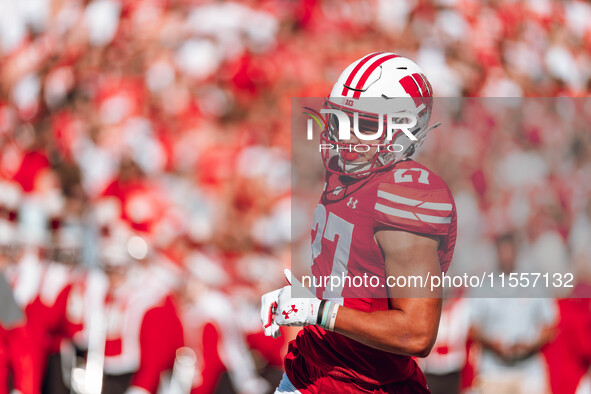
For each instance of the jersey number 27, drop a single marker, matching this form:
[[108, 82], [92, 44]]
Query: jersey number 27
[[329, 228]]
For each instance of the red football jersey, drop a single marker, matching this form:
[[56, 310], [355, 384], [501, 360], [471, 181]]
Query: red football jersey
[[406, 197]]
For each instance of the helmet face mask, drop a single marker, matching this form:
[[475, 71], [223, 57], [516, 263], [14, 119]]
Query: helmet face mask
[[389, 90], [352, 154]]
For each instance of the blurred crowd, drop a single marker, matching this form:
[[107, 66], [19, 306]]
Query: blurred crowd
[[520, 171], [145, 161]]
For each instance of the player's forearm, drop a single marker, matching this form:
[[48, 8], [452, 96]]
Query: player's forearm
[[393, 331]]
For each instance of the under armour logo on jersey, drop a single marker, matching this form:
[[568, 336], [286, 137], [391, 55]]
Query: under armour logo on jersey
[[352, 203], [286, 313]]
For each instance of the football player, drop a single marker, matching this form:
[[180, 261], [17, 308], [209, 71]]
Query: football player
[[383, 215]]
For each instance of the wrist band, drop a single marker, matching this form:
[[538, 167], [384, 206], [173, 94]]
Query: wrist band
[[333, 317], [321, 308], [327, 314]]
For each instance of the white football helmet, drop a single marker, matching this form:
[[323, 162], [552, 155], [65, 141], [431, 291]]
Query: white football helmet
[[378, 84]]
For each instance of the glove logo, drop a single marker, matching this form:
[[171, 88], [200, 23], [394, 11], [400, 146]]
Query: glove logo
[[286, 313]]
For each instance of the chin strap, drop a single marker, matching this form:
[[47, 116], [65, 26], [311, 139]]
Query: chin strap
[[352, 168]]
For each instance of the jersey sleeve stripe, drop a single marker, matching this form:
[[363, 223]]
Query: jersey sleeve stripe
[[438, 206], [395, 212], [409, 215], [398, 199], [414, 203], [434, 219]]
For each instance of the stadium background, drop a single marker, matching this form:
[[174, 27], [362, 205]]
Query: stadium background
[[169, 121]]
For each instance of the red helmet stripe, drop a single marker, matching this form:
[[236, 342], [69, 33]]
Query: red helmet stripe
[[422, 85], [368, 72], [412, 88], [356, 70]]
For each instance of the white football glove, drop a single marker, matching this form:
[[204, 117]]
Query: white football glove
[[291, 311], [296, 311]]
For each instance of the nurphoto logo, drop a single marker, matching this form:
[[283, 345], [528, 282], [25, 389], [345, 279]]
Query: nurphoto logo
[[393, 122]]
